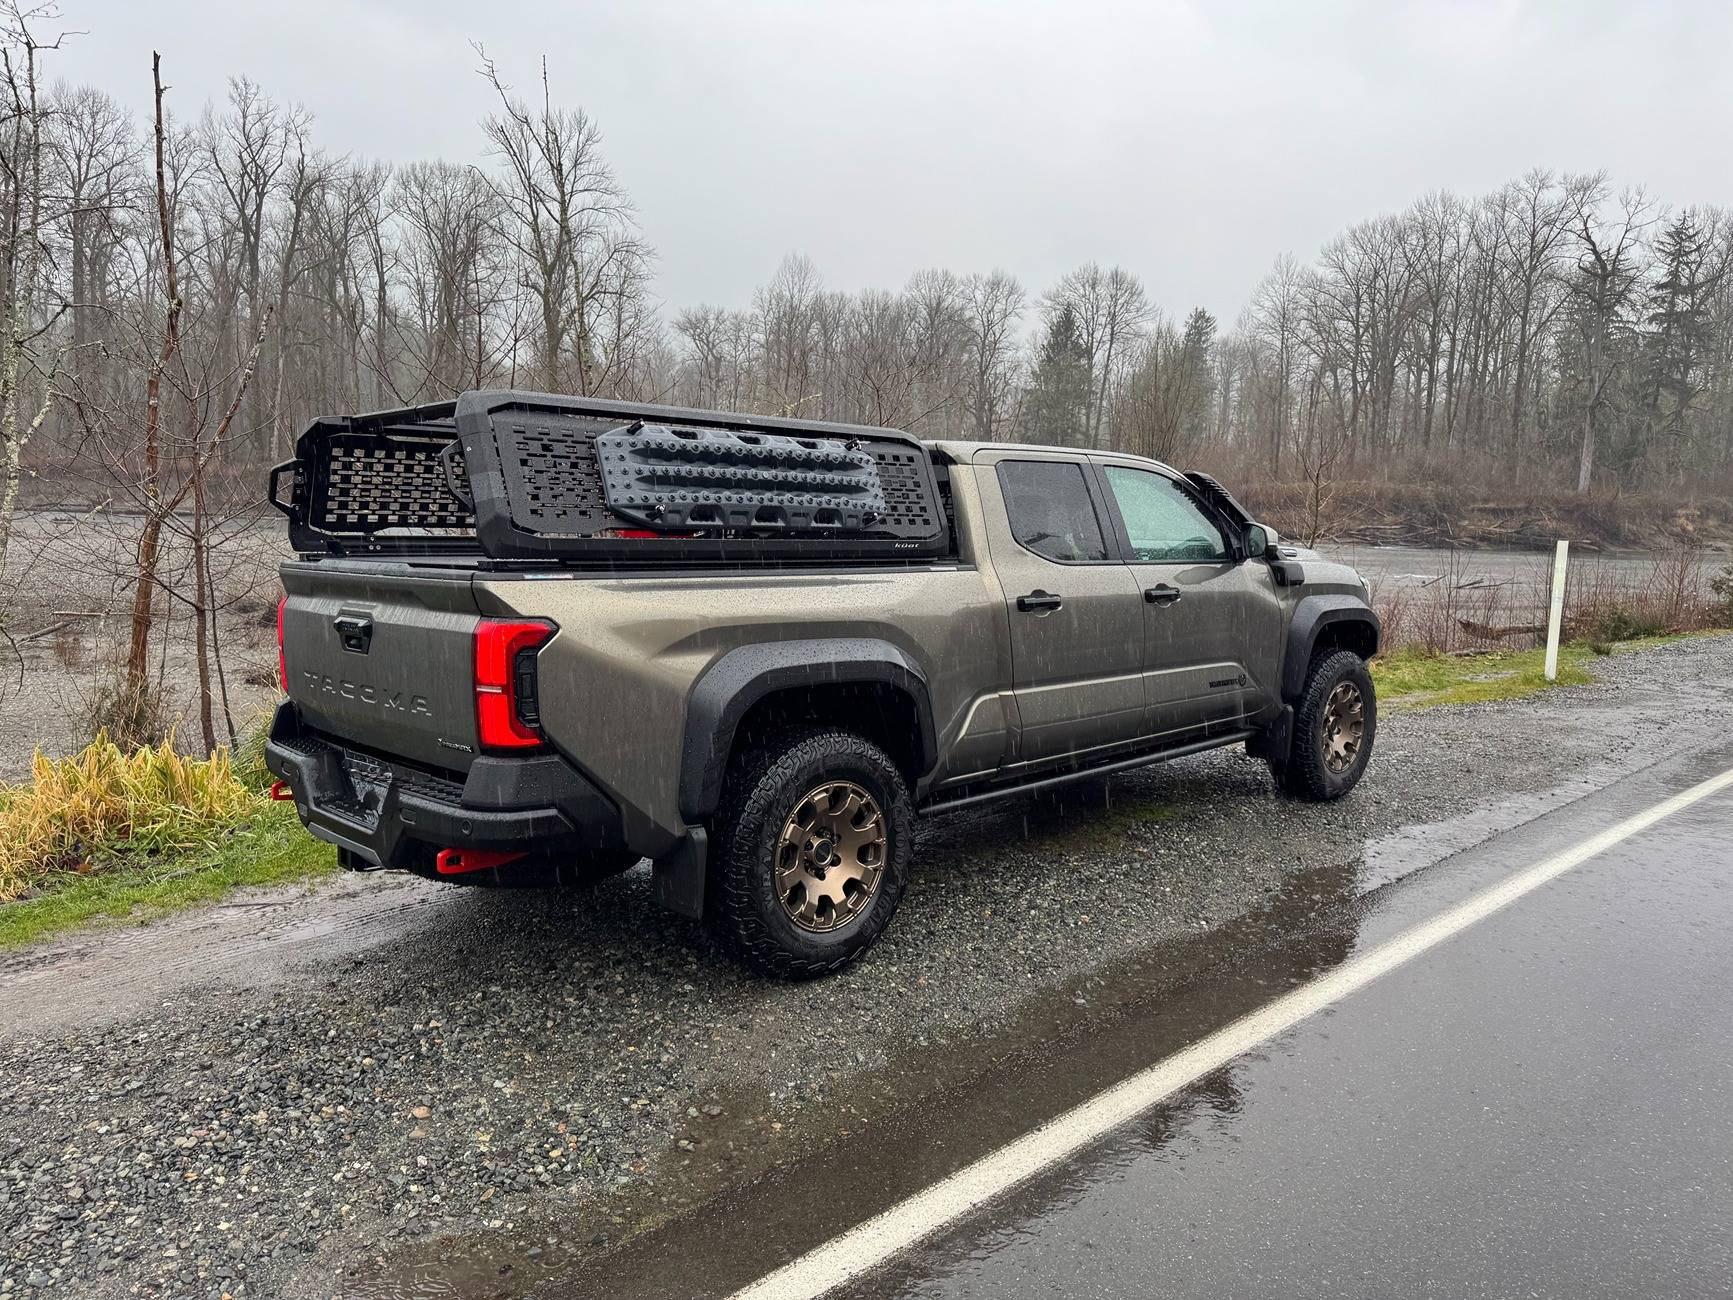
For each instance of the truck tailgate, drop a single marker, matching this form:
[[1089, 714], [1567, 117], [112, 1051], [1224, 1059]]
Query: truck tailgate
[[384, 658]]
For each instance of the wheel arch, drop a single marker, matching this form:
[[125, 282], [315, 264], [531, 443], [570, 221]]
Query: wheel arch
[[864, 684], [1322, 623]]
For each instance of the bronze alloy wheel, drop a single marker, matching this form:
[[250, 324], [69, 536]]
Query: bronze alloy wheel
[[830, 856], [1344, 726]]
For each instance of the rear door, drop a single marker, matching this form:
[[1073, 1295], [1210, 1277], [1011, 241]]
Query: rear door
[[383, 657], [1212, 627], [1075, 612]]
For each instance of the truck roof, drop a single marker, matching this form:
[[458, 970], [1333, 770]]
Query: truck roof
[[964, 452]]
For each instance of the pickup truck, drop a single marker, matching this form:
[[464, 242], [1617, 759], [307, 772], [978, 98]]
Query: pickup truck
[[533, 640]]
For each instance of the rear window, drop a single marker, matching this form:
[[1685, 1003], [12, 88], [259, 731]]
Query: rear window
[[1050, 510]]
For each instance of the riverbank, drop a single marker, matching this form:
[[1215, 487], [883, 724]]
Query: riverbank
[[1452, 515]]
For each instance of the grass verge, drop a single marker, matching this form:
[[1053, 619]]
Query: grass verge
[[1416, 679], [131, 887]]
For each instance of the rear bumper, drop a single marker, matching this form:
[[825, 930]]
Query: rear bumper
[[387, 812]]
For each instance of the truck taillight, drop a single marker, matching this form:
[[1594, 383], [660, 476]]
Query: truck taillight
[[506, 710], [282, 655]]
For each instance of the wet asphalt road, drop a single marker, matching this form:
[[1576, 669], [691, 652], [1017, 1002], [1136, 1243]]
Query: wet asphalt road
[[1540, 1106]]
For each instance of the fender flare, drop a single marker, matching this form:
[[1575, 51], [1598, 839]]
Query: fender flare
[[727, 690], [1311, 616]]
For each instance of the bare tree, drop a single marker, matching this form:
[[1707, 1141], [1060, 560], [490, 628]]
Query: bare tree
[[25, 375], [156, 506], [306, 177], [1276, 315], [1538, 215], [1322, 442], [99, 184], [992, 310], [455, 276], [249, 155], [569, 220]]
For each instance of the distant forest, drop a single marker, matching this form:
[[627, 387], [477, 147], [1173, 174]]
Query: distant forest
[[182, 293]]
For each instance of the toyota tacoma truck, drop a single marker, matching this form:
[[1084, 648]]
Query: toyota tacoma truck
[[532, 639]]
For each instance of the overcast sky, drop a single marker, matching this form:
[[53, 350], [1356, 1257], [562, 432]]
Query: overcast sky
[[1190, 142]]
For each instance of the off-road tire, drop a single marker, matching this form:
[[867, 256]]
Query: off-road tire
[[574, 872], [765, 784], [1304, 773]]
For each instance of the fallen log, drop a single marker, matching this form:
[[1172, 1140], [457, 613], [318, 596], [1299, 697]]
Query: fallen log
[[1486, 632]]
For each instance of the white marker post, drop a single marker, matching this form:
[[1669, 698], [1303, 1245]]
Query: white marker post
[[1555, 618]]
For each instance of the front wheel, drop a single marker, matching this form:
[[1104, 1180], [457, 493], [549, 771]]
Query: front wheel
[[1335, 722], [812, 846]]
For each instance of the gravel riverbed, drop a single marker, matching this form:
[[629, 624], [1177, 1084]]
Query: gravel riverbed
[[488, 1064]]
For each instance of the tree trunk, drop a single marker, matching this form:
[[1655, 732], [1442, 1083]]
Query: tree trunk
[[149, 545], [201, 608]]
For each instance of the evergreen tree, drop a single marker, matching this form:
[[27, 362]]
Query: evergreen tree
[[1196, 374], [1200, 332], [1058, 400], [1680, 324]]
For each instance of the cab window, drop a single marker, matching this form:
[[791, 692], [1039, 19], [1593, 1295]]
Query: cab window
[[1050, 510], [1164, 525]]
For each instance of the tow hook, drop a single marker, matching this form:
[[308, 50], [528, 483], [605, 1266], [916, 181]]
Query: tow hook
[[454, 862], [281, 791]]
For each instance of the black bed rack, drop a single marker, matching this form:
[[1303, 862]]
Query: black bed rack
[[516, 475]]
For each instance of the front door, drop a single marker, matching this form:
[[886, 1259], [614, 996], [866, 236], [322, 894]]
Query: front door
[[1212, 627], [1075, 610]]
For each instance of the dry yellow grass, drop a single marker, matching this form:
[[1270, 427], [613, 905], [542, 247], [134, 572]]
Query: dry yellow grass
[[102, 800]]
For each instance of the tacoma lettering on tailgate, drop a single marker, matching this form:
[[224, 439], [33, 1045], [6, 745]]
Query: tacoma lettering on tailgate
[[399, 701]]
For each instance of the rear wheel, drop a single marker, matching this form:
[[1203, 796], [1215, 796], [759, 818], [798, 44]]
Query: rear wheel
[[812, 846], [1335, 722]]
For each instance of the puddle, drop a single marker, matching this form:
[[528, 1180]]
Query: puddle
[[1066, 1045]]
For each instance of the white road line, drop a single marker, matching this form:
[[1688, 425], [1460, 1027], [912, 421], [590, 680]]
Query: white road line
[[944, 1203]]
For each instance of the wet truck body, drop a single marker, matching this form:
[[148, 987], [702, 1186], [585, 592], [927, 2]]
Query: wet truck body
[[553, 636]]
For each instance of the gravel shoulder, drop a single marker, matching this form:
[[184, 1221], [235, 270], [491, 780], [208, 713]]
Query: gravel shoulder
[[345, 1090]]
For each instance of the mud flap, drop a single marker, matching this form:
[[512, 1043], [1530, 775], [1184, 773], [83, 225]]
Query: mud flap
[[350, 860], [1275, 741], [679, 877]]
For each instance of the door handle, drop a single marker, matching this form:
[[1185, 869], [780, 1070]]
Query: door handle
[[1038, 602], [1161, 595]]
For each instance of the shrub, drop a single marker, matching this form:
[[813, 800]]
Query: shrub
[[101, 802], [133, 716], [1722, 585], [1610, 623]]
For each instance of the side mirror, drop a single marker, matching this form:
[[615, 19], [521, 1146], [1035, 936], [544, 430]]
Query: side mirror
[[1261, 542]]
